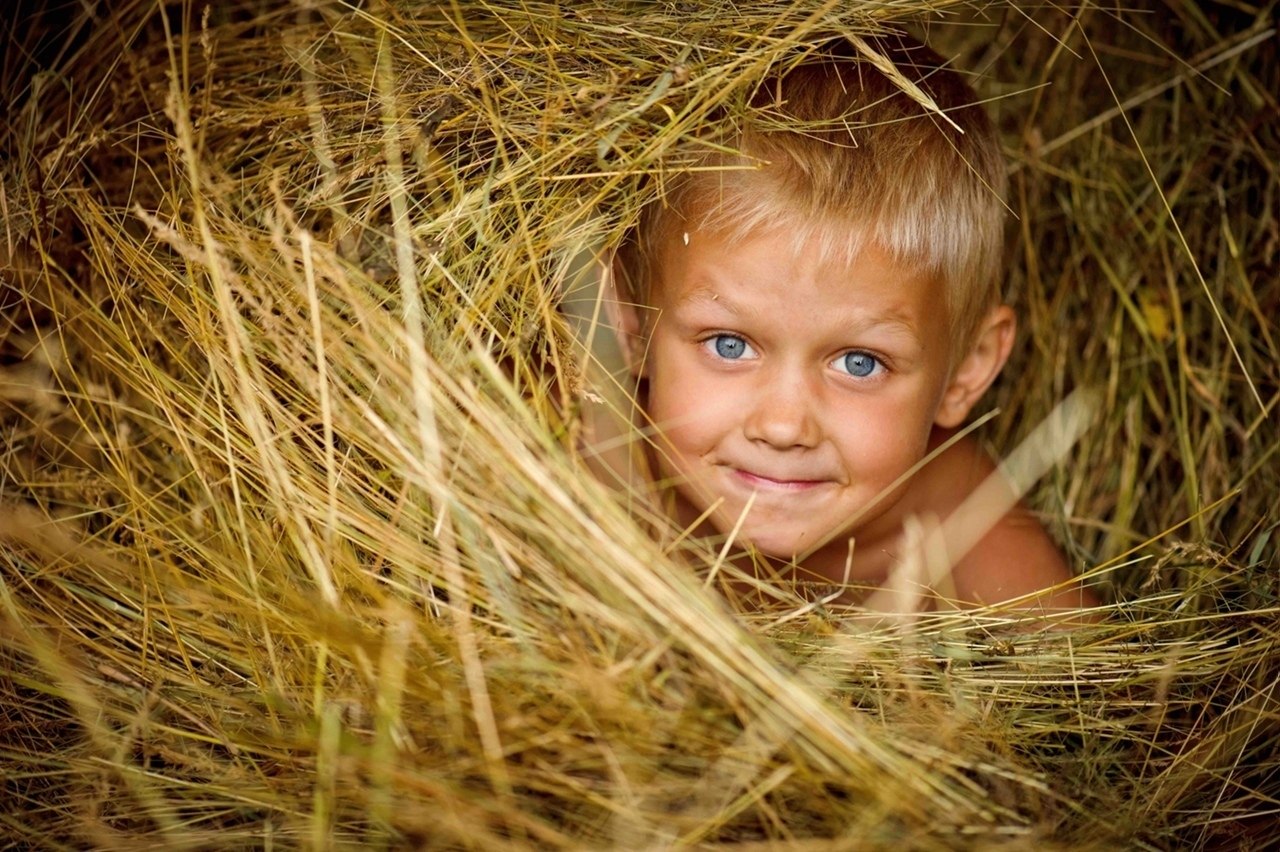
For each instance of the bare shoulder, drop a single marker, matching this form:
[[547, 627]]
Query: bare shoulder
[[1016, 559], [1008, 555]]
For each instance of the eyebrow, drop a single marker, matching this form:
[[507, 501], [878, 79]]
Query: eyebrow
[[897, 327], [707, 295]]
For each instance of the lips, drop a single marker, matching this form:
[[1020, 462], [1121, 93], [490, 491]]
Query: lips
[[774, 482]]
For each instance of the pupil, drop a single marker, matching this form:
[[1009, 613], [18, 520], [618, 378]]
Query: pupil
[[729, 347], [859, 364]]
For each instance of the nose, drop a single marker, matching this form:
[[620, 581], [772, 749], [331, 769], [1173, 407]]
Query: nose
[[785, 414]]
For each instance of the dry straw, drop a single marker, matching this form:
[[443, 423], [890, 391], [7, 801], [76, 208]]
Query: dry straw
[[295, 548]]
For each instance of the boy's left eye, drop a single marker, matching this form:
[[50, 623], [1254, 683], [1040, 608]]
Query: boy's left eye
[[858, 364]]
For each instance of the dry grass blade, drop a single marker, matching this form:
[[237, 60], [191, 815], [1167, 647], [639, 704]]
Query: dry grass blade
[[296, 544]]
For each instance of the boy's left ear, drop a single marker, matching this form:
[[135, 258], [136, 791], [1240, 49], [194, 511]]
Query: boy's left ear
[[979, 367]]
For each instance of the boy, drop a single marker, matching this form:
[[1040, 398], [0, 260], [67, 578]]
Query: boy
[[809, 320]]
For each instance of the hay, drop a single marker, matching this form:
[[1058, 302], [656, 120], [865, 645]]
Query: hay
[[296, 547]]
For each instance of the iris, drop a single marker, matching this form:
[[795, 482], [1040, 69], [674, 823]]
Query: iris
[[730, 347], [859, 364]]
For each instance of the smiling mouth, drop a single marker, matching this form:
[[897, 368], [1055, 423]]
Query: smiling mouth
[[762, 482]]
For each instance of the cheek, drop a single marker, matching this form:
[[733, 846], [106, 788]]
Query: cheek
[[685, 407], [686, 402], [885, 434]]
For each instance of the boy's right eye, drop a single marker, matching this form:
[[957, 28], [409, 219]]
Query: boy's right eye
[[730, 347]]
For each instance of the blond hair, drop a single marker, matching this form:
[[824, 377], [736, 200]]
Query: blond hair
[[835, 152]]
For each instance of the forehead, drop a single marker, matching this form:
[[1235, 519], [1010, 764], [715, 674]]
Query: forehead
[[692, 258], [782, 298], [775, 274], [746, 208], [739, 210]]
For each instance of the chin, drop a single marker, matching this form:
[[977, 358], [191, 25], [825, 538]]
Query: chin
[[777, 538], [780, 545]]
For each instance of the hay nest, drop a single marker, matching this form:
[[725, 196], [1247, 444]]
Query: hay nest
[[296, 546]]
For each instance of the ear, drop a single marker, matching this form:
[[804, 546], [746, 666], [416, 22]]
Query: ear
[[625, 318], [979, 367]]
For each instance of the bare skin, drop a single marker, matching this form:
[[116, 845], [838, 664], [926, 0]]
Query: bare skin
[[793, 397]]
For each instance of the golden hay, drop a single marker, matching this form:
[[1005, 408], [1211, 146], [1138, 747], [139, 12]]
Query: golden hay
[[296, 549]]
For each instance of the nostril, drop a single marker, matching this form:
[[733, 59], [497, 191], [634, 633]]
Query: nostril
[[784, 424]]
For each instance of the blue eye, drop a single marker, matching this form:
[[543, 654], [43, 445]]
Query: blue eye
[[729, 346], [858, 364]]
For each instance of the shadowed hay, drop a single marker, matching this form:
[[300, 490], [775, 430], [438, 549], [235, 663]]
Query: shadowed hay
[[296, 549]]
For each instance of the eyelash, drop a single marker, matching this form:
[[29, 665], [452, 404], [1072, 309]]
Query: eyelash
[[710, 344], [878, 365]]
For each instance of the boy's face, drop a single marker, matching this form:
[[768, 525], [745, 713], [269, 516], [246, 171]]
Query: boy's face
[[800, 387]]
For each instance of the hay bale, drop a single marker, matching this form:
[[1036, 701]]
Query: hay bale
[[296, 545]]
